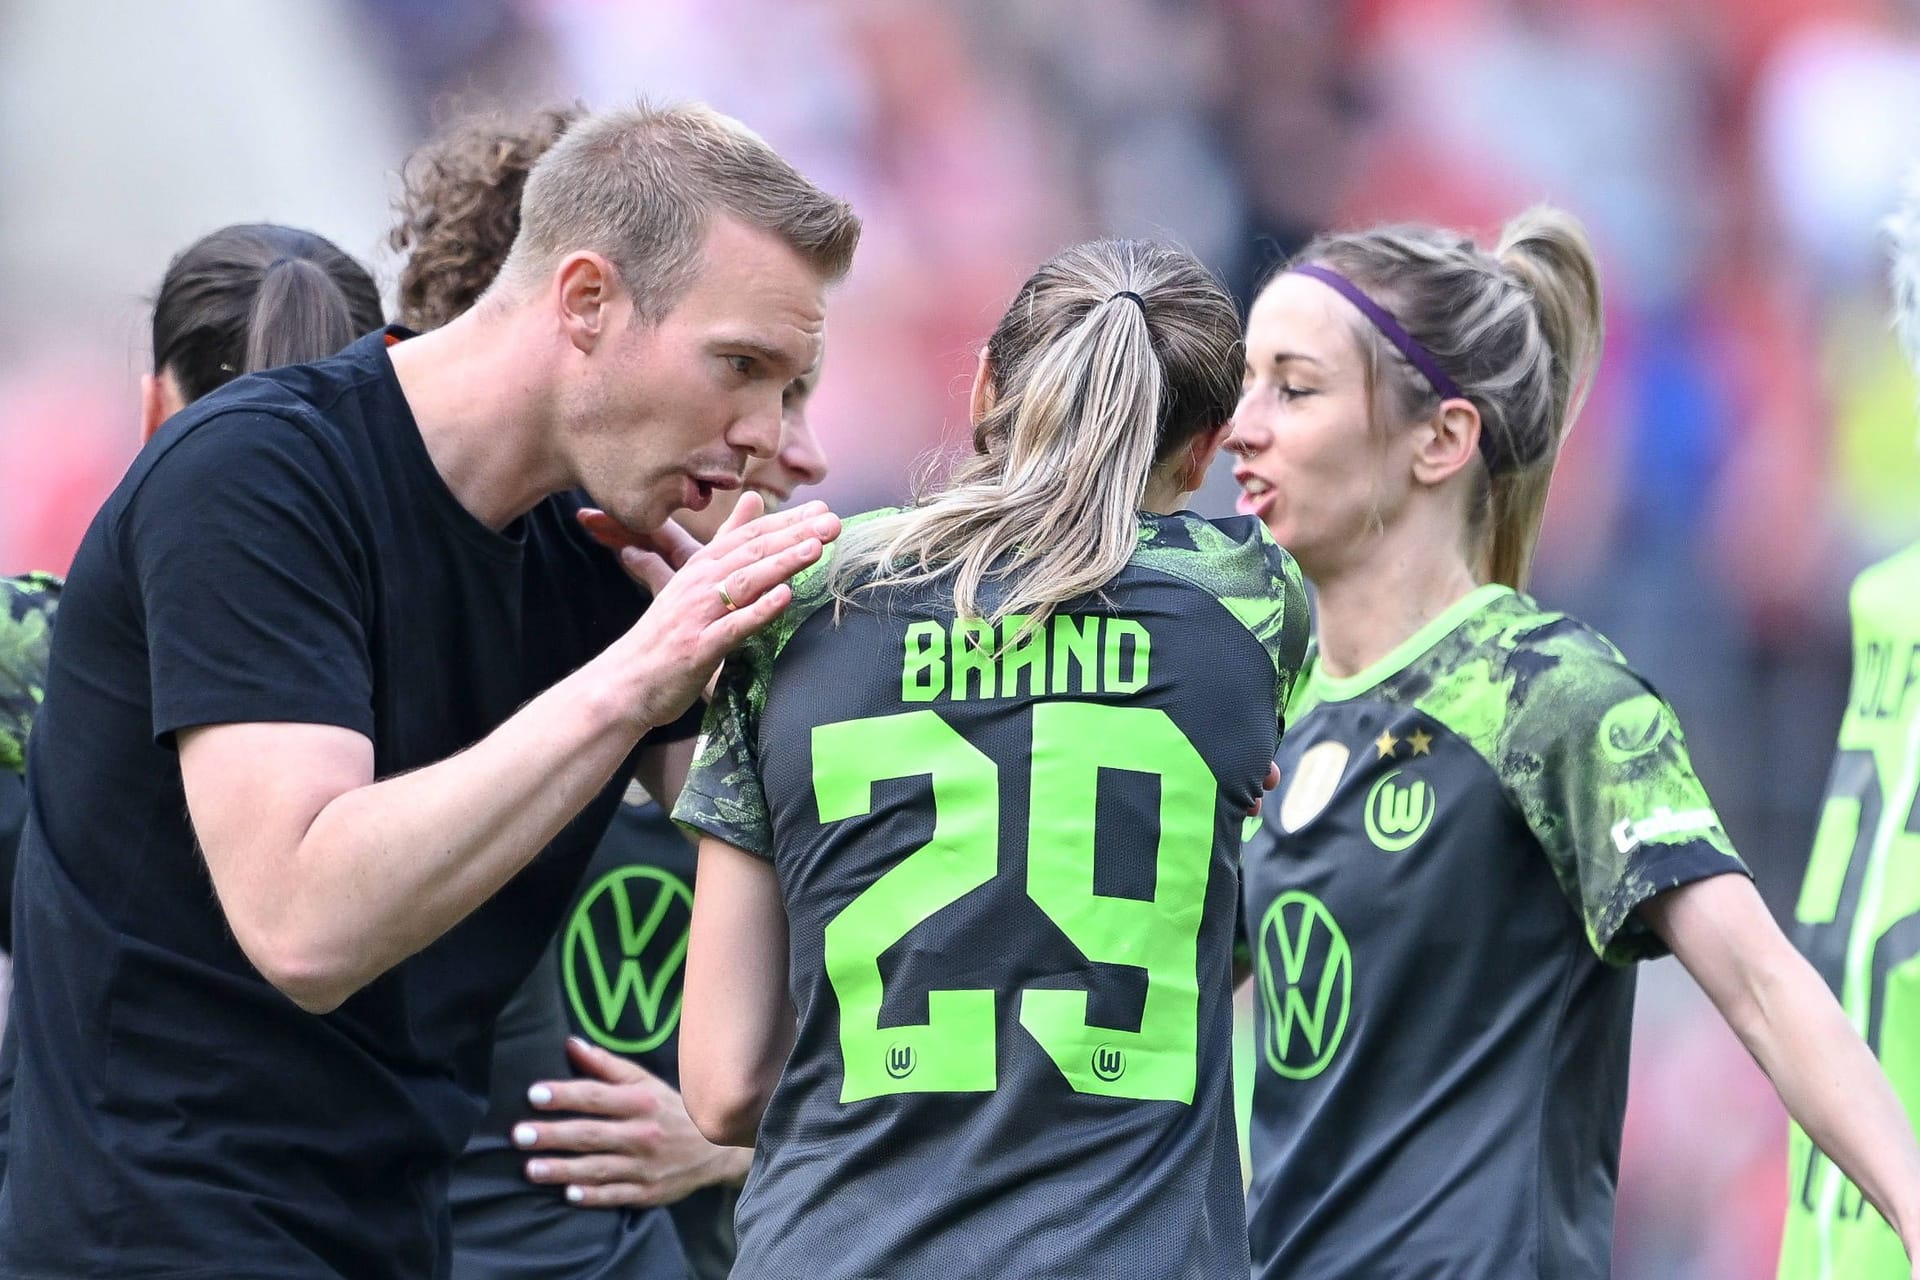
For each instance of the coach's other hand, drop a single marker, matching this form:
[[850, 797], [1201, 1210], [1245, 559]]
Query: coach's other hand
[[706, 599], [634, 1144]]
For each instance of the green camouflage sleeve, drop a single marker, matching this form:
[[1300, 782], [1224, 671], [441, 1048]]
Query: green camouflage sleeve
[[1598, 765], [1238, 562], [27, 606], [723, 797]]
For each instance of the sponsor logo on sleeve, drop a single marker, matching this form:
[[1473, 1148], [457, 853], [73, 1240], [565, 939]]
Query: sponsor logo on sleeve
[[1663, 823]]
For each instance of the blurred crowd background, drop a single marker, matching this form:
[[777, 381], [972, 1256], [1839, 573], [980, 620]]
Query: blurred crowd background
[[1751, 442]]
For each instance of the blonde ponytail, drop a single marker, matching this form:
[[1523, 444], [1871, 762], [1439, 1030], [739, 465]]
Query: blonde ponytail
[[1548, 251], [1113, 355]]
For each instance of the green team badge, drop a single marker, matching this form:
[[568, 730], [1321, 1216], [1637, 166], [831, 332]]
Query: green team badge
[[1305, 974], [624, 949], [1398, 813]]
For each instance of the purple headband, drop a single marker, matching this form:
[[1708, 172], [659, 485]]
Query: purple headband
[[1418, 356]]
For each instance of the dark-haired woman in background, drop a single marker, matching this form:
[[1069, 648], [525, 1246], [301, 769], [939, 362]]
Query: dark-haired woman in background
[[249, 297]]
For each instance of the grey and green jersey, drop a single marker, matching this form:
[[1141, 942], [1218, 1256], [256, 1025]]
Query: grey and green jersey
[[1440, 906], [27, 607], [1858, 918], [1010, 871]]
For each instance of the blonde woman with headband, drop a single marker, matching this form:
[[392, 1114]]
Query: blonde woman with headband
[[1485, 816], [962, 946]]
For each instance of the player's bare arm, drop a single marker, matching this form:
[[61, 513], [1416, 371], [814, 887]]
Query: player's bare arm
[[1789, 1021], [738, 1024], [330, 877]]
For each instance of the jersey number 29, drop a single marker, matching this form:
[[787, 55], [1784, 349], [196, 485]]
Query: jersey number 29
[[955, 1050]]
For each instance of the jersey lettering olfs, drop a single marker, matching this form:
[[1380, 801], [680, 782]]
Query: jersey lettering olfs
[[1858, 916]]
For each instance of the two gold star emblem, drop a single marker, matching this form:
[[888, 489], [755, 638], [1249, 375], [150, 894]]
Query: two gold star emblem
[[1420, 740]]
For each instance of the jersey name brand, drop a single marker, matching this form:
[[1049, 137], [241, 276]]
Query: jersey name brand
[[971, 658], [1884, 679]]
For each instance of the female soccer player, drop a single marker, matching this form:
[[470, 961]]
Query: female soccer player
[[1858, 918], [1485, 816], [583, 1137], [245, 298], [962, 941]]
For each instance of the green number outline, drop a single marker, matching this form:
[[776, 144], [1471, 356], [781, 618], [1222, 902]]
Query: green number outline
[[952, 1052], [955, 1050], [1854, 780]]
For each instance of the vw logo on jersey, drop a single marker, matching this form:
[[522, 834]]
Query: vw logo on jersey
[[901, 1061], [625, 946], [1305, 976], [1315, 778], [1109, 1063], [1399, 811]]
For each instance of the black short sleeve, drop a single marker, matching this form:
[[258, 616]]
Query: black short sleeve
[[252, 580]]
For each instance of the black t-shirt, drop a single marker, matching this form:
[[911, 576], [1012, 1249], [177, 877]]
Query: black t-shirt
[[284, 550], [1009, 864], [507, 1228], [613, 977]]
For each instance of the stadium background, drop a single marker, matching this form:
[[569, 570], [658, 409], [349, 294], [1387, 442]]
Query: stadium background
[[1750, 445]]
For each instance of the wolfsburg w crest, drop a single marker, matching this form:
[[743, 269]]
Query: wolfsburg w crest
[[1399, 811]]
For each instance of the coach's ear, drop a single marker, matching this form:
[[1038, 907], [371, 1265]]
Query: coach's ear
[[586, 287]]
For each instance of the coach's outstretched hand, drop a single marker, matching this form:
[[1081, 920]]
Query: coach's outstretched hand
[[629, 1141], [706, 599]]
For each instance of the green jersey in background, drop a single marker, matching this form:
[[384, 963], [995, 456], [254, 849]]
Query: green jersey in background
[[1858, 918]]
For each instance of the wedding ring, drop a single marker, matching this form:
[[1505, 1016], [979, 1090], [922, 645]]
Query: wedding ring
[[725, 599]]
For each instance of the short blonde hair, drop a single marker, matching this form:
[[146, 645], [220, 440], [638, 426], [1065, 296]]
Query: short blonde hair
[[639, 185]]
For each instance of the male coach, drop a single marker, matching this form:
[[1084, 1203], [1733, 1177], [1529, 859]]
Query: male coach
[[342, 697]]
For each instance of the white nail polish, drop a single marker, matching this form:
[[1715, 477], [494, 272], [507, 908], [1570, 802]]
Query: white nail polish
[[539, 1095], [524, 1135], [575, 1195]]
